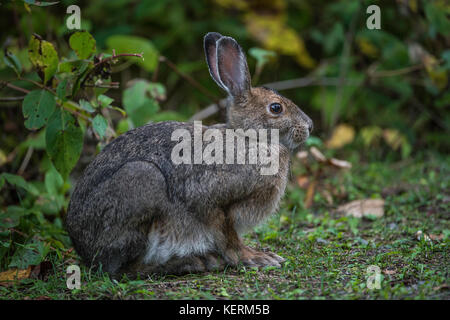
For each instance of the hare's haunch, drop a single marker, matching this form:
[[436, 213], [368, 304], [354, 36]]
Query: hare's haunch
[[137, 211]]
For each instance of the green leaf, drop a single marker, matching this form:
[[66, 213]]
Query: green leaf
[[133, 44], [13, 62], [44, 57], [139, 107], [18, 181], [83, 44], [53, 181], [100, 124], [64, 139], [73, 66], [104, 100], [37, 107], [11, 217], [40, 3], [436, 14], [262, 56], [61, 89], [86, 105]]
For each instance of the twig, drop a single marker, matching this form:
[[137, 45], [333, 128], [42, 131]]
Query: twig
[[113, 57], [343, 70], [191, 80], [209, 110], [25, 161], [9, 85], [7, 99]]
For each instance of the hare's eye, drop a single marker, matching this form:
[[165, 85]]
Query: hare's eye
[[275, 108]]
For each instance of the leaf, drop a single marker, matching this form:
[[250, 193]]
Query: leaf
[[275, 35], [64, 139], [262, 56], [133, 44], [83, 44], [363, 208], [343, 134], [43, 56], [139, 107], [53, 181], [18, 181], [100, 124], [104, 100], [13, 62], [9, 276], [40, 3], [30, 254], [37, 107], [86, 105], [61, 89], [317, 154], [436, 14], [11, 218]]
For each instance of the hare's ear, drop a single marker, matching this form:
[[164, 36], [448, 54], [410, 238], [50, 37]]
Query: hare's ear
[[232, 67], [209, 43]]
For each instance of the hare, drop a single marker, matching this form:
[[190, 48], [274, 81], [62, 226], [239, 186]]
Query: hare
[[134, 211]]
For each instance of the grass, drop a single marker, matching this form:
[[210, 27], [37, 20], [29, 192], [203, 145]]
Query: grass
[[327, 253]]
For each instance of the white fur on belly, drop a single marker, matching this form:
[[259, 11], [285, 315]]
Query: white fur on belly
[[161, 249]]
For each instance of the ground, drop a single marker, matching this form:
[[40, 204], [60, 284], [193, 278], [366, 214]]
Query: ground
[[327, 253]]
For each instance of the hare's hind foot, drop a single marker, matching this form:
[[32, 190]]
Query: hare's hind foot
[[253, 258], [183, 265]]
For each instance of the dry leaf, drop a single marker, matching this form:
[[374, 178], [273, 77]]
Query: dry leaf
[[303, 181], [342, 135], [8, 276], [436, 237], [363, 208], [440, 287], [389, 272], [327, 195], [310, 194], [317, 154], [340, 163], [420, 234], [302, 155]]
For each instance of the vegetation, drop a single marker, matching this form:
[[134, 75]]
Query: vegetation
[[379, 99]]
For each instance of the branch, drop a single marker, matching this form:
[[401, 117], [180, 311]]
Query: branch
[[191, 80]]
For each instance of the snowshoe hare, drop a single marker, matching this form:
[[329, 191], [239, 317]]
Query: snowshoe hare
[[134, 211]]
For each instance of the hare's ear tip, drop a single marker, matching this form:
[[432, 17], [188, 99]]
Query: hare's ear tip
[[228, 40], [213, 35]]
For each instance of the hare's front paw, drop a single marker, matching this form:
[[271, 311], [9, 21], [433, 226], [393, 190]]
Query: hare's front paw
[[254, 258]]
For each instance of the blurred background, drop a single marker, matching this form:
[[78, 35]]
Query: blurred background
[[374, 95]]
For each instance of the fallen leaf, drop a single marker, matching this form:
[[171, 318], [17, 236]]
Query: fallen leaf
[[442, 286], [327, 195], [389, 272], [363, 208], [9, 276], [310, 194], [317, 154], [436, 237], [420, 234], [302, 155], [340, 163], [303, 181]]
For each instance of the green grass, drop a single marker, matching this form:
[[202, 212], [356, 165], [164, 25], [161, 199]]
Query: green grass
[[327, 253]]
